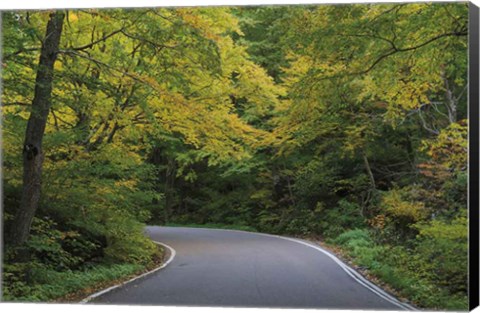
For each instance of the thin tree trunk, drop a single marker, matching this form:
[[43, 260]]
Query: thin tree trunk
[[289, 185], [366, 201], [451, 101], [369, 170], [290, 191], [32, 150], [169, 185]]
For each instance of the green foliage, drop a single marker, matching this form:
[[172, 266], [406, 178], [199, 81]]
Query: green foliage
[[356, 235], [46, 284], [334, 221], [444, 247], [127, 243], [50, 246], [415, 273]]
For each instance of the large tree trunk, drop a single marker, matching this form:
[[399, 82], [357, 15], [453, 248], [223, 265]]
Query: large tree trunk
[[32, 150]]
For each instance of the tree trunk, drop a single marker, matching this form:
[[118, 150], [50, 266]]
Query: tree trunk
[[289, 185], [170, 173], [369, 170], [32, 149], [451, 102]]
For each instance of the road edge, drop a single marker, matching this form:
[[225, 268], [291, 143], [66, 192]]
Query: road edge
[[355, 275], [346, 268], [106, 290]]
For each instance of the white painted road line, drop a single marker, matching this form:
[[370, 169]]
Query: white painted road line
[[104, 291], [347, 269], [355, 275], [350, 271]]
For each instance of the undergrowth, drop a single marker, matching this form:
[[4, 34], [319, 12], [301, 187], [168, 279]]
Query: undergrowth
[[405, 270], [48, 284]]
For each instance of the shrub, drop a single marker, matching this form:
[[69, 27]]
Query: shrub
[[444, 245], [356, 234]]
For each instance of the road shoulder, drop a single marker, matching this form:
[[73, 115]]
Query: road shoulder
[[88, 294]]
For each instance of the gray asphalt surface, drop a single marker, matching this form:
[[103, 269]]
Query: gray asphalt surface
[[241, 269]]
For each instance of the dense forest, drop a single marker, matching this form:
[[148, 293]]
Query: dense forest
[[346, 123]]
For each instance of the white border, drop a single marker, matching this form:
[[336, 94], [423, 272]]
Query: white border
[[60, 308]]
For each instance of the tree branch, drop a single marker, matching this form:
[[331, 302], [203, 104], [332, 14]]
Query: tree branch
[[424, 124], [104, 38], [8, 56], [397, 50], [154, 44], [16, 103]]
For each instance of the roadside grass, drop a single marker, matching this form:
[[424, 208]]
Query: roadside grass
[[396, 270], [212, 225], [50, 285], [44, 284]]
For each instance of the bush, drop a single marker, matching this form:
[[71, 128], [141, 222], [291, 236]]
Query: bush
[[444, 246], [361, 247], [337, 220], [356, 234], [127, 243]]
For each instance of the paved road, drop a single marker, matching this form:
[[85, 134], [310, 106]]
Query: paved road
[[231, 268]]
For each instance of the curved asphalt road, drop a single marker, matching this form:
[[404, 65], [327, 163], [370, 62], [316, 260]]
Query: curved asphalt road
[[233, 268]]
